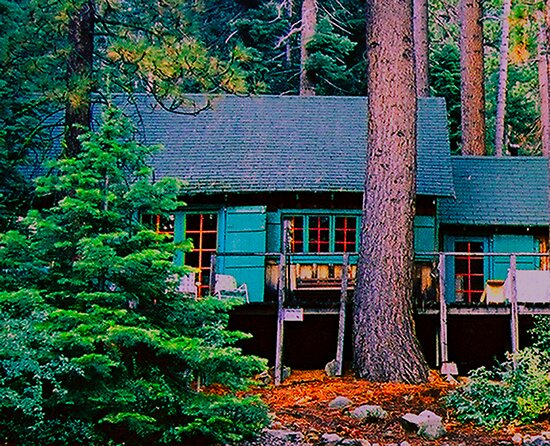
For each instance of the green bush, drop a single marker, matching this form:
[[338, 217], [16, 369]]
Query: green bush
[[506, 394]]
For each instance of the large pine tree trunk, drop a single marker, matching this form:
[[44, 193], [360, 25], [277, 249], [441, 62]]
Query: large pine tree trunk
[[543, 62], [79, 76], [421, 47], [384, 340], [309, 23], [472, 92], [502, 78]]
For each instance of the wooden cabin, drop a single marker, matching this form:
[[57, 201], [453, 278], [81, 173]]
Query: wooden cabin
[[273, 193]]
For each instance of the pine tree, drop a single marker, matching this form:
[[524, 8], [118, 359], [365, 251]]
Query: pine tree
[[98, 346]]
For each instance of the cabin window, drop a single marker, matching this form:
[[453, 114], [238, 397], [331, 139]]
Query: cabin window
[[203, 230], [345, 234], [160, 224], [469, 272], [321, 233]]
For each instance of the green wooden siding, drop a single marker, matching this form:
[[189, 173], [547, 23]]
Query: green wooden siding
[[424, 236], [244, 231], [496, 267], [512, 243]]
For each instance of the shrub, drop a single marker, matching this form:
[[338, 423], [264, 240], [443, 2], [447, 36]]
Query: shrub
[[506, 394]]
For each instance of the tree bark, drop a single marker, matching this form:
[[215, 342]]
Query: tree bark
[[472, 92], [421, 47], [502, 78], [78, 112], [309, 23], [543, 62], [384, 339]]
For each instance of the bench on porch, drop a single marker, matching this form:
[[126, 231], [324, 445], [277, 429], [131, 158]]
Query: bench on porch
[[314, 277]]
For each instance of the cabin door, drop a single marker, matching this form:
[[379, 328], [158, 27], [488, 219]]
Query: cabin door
[[245, 235]]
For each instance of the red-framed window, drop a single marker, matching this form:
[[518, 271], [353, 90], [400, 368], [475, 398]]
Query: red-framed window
[[345, 234], [160, 224], [321, 233], [295, 237], [202, 229], [469, 272]]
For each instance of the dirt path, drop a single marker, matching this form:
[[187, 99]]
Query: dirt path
[[301, 404]]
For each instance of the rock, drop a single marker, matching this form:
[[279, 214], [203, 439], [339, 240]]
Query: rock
[[331, 369], [350, 442], [340, 402], [284, 435], [368, 412], [427, 424], [536, 440], [330, 439], [517, 439], [409, 422]]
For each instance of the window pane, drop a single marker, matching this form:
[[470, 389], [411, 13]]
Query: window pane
[[202, 229], [345, 233], [295, 235], [319, 234]]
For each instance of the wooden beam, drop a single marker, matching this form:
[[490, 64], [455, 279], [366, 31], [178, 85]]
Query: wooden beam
[[342, 315], [444, 356], [280, 321], [212, 281], [514, 319]]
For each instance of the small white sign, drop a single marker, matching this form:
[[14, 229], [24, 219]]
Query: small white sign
[[293, 314]]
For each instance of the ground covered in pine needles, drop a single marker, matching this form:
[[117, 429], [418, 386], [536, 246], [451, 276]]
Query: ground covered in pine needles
[[301, 404]]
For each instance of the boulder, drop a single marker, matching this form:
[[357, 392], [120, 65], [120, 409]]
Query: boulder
[[409, 422], [427, 424], [331, 369], [284, 435], [430, 425], [330, 439], [368, 412], [340, 402]]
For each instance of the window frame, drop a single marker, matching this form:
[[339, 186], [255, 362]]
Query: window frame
[[332, 215]]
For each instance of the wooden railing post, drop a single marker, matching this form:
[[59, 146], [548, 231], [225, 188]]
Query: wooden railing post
[[212, 281], [442, 312], [342, 315], [514, 317], [280, 322]]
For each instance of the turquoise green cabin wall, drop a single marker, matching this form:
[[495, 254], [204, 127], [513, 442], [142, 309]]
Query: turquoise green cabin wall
[[495, 267], [250, 229]]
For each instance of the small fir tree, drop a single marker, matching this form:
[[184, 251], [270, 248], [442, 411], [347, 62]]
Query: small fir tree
[[97, 346]]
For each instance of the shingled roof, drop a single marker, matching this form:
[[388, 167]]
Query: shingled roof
[[498, 191], [285, 143]]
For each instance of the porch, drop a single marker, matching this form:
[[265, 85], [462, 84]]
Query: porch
[[323, 288]]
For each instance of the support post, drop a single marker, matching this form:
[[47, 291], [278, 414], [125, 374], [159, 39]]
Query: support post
[[212, 281], [444, 353], [514, 318], [280, 322], [342, 315]]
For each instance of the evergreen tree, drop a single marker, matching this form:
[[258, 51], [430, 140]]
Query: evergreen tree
[[97, 345]]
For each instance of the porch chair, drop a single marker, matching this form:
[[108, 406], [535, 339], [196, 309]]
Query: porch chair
[[188, 285], [226, 286]]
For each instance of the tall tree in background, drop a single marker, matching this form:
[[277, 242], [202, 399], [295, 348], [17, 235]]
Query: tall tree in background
[[472, 92], [309, 23], [421, 47], [78, 110], [502, 77], [543, 63], [384, 340]]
